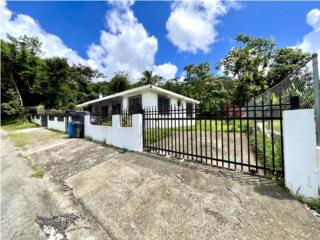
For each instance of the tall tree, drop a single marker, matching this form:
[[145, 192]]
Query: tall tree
[[284, 62], [149, 78], [201, 84], [247, 63], [119, 82]]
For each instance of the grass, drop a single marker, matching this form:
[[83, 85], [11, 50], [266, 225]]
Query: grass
[[37, 171], [19, 139], [276, 125], [218, 125], [16, 124], [157, 135], [312, 203], [265, 150], [23, 139]]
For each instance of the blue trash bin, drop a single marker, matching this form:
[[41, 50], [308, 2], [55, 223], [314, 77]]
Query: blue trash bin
[[70, 130]]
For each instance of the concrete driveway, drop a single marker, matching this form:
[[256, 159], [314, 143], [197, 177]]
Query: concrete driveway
[[143, 196]]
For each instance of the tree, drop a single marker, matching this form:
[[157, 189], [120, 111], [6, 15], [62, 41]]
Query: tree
[[201, 84], [18, 58], [284, 62], [247, 64], [149, 78], [119, 83]]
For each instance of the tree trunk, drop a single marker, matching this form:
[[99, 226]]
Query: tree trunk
[[17, 90]]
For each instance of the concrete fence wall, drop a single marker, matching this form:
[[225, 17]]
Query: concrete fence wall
[[52, 124], [123, 137], [301, 155], [57, 125], [35, 120]]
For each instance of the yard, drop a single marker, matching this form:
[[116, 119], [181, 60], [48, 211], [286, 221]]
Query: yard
[[228, 141]]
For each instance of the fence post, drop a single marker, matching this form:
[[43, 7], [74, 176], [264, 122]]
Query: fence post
[[315, 70], [294, 102]]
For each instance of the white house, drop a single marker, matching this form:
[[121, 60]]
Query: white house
[[135, 99]]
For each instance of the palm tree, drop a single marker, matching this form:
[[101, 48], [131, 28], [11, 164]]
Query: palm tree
[[149, 78]]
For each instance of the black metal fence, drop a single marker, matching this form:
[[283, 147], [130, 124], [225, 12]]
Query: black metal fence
[[106, 120], [125, 119], [247, 138]]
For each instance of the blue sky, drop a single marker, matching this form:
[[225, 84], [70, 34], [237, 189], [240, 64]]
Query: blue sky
[[79, 26]]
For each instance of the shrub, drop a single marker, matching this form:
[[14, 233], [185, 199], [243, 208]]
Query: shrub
[[267, 148]]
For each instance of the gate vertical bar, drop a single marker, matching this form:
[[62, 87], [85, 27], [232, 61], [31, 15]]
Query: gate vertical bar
[[255, 132], [263, 137], [272, 137], [248, 135], [221, 133], [228, 137], [281, 139], [183, 143], [143, 129], [234, 137], [241, 144]]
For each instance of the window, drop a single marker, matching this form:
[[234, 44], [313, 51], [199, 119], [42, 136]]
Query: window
[[189, 109], [179, 103], [163, 105], [104, 111], [37, 117], [51, 118], [135, 104], [116, 108]]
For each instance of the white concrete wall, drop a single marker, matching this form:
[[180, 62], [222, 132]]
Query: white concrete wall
[[35, 120], [149, 99], [301, 162], [57, 125], [123, 137], [52, 124]]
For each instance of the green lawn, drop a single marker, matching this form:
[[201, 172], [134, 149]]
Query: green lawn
[[218, 125], [16, 124], [19, 139], [23, 139], [153, 135]]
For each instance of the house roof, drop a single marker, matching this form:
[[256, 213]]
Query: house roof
[[140, 90]]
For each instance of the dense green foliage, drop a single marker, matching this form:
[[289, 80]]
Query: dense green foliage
[[29, 80]]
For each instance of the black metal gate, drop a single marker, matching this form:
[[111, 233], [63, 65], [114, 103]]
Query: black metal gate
[[247, 138], [44, 121]]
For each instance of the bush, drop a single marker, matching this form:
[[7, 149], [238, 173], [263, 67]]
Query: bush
[[267, 147]]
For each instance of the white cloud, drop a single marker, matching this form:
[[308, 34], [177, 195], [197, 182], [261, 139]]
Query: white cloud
[[167, 70], [311, 41], [192, 24], [313, 18], [126, 46], [20, 24]]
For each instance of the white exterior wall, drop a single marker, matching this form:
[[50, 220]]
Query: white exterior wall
[[57, 125], [123, 137], [149, 99], [301, 158], [36, 121]]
